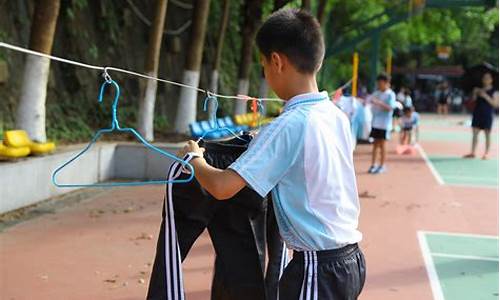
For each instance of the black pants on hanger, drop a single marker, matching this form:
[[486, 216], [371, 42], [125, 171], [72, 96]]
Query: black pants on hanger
[[237, 228]]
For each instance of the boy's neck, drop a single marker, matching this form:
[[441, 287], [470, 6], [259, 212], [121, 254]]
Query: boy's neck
[[301, 85]]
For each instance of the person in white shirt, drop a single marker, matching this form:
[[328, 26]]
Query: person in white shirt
[[383, 103]]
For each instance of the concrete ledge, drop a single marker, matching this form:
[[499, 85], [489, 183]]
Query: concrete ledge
[[28, 181]]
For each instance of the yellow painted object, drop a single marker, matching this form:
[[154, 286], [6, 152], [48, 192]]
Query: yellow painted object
[[239, 119], [355, 64], [13, 152], [19, 138], [249, 120], [245, 119]]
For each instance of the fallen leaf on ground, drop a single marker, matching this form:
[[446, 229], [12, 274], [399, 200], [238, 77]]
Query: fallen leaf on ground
[[366, 194], [110, 280]]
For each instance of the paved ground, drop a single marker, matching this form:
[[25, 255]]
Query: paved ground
[[102, 247]]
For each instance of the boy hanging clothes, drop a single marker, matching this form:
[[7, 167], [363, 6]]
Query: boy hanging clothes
[[305, 159]]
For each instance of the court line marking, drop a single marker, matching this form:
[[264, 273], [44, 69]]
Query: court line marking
[[436, 289], [472, 235], [485, 179], [438, 177], [465, 257], [429, 164], [478, 186]]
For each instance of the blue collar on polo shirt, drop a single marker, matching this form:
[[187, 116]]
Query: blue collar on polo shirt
[[307, 98]]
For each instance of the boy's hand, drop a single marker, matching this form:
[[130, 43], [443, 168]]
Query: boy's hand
[[191, 146], [376, 101]]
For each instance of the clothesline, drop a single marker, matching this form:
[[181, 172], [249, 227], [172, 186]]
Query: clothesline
[[108, 69]]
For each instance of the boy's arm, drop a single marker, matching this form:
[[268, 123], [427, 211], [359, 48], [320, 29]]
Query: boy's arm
[[221, 184], [382, 104]]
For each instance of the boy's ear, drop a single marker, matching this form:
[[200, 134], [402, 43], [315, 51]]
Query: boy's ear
[[276, 61]]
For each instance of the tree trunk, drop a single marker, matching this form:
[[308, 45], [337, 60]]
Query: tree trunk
[[147, 104], [30, 114], [186, 110], [240, 106], [321, 11], [214, 79], [306, 5], [252, 12]]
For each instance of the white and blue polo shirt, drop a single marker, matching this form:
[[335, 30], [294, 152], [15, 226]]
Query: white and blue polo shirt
[[305, 157], [382, 119]]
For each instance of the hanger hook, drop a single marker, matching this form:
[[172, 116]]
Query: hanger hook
[[209, 97], [114, 123], [260, 104], [106, 75]]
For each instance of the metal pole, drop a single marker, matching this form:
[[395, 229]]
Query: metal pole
[[374, 60], [354, 85]]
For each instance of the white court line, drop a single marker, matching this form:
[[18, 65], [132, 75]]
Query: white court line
[[484, 236], [476, 186], [484, 179], [437, 291], [429, 164], [466, 257]]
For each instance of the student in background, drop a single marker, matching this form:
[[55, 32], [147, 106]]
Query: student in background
[[383, 103], [409, 124], [443, 98], [486, 100], [407, 101]]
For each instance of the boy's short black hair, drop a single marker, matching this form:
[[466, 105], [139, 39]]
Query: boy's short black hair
[[295, 33], [383, 77], [407, 109]]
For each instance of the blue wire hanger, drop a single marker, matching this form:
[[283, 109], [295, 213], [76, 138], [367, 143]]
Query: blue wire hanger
[[213, 118], [115, 126]]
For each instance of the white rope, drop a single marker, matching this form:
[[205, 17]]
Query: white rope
[[20, 49], [106, 69]]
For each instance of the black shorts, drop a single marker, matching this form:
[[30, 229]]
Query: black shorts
[[407, 128], [378, 134], [331, 274]]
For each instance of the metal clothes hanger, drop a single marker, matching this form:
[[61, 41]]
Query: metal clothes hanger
[[213, 118], [115, 126]]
